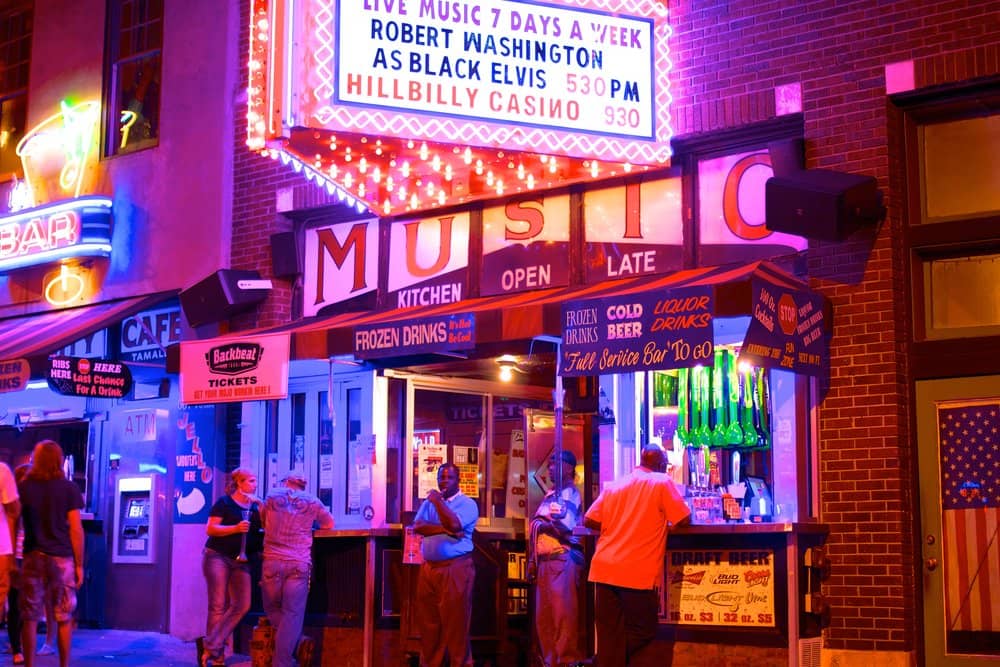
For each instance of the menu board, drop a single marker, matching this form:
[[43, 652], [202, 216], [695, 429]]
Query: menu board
[[731, 587], [624, 333], [787, 330]]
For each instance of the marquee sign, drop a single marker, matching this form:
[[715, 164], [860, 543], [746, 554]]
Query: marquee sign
[[580, 78], [405, 105]]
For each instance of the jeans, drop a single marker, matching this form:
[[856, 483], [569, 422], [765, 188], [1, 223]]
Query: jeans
[[228, 598], [285, 589], [626, 622], [557, 608]]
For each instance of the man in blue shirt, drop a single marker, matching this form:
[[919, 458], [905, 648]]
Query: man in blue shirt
[[444, 594]]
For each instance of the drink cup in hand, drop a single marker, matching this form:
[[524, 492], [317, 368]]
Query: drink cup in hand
[[244, 529]]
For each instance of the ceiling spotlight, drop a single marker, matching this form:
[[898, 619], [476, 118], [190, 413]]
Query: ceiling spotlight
[[508, 364]]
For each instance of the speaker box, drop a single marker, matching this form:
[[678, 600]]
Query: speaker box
[[788, 156], [821, 204], [285, 261], [222, 295]]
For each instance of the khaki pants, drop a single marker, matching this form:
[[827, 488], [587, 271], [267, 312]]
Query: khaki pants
[[444, 610]]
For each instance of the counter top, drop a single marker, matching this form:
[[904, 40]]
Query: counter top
[[387, 531], [810, 527], [750, 528], [396, 530]]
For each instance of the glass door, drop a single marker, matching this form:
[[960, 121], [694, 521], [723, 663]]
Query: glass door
[[958, 442], [324, 432]]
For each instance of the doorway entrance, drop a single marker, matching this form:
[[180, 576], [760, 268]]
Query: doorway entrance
[[958, 443]]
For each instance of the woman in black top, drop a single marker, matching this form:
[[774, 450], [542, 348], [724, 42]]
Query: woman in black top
[[228, 577]]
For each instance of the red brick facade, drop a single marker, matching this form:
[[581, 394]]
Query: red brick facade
[[728, 58]]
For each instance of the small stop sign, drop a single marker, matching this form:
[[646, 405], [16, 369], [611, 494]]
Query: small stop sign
[[788, 314]]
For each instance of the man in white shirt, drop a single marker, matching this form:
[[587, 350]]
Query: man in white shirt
[[12, 507], [633, 515]]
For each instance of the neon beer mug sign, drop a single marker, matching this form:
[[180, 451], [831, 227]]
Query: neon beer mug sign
[[50, 220]]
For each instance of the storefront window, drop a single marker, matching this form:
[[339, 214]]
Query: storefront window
[[297, 424], [360, 455], [325, 436], [958, 167], [481, 432], [960, 296], [736, 436], [450, 427]]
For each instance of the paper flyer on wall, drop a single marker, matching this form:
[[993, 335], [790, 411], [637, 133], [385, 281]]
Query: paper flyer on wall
[[430, 458]]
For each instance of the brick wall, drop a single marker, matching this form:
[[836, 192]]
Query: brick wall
[[728, 57]]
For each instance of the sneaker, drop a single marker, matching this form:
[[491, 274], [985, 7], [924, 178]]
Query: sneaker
[[46, 649], [18, 658], [304, 650]]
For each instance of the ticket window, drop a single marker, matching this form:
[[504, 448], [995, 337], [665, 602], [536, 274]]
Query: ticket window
[[134, 529]]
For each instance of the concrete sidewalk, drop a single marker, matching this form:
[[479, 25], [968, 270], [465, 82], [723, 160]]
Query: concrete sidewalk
[[124, 647]]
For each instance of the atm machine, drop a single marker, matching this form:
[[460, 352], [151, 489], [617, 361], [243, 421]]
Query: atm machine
[[134, 528]]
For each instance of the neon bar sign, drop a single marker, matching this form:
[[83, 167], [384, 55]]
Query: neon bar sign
[[77, 228]]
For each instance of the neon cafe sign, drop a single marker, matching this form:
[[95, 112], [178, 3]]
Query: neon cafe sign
[[50, 221], [404, 105]]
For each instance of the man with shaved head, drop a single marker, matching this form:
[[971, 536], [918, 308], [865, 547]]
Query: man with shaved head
[[633, 516]]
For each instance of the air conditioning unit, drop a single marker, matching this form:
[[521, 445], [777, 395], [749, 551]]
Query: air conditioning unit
[[810, 651]]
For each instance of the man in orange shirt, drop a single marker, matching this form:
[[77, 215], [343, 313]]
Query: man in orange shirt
[[633, 516]]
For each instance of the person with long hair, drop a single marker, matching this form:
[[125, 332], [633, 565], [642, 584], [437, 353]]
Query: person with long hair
[[53, 548], [226, 573]]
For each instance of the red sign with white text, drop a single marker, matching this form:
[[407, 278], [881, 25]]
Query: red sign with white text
[[233, 370], [525, 245]]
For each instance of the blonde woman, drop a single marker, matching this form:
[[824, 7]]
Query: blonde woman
[[234, 517]]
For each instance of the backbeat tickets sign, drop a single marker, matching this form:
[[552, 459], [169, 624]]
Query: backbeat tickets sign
[[78, 376], [637, 332], [237, 369]]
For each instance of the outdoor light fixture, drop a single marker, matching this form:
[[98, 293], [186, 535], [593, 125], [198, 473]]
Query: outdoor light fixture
[[508, 364]]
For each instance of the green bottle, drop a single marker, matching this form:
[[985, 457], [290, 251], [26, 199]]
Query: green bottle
[[761, 394], [734, 434], [747, 401], [718, 399], [683, 434]]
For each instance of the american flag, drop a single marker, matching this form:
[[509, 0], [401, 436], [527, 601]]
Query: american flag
[[969, 437]]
